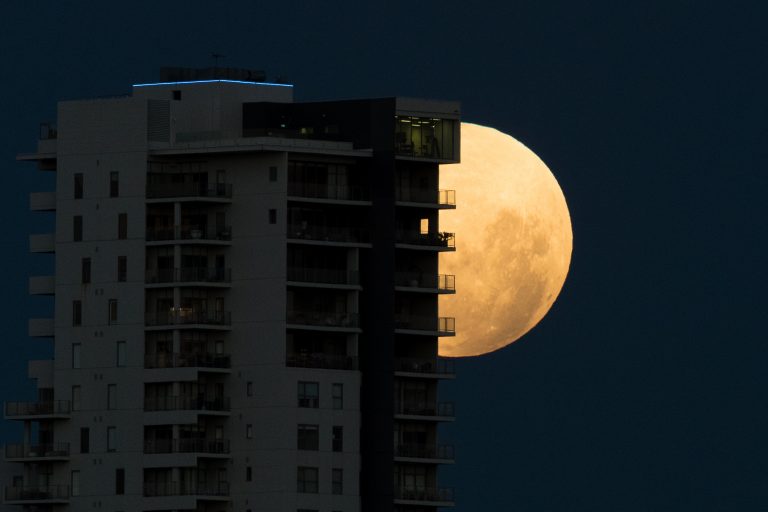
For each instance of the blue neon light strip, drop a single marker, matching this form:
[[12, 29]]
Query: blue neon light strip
[[213, 81]]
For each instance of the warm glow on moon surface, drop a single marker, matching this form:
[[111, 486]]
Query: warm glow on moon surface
[[513, 242]]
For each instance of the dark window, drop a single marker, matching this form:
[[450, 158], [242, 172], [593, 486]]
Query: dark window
[[248, 474], [307, 479], [112, 318], [77, 313], [337, 439], [337, 481], [76, 354], [122, 226], [77, 228], [177, 95], [120, 481], [273, 216], [249, 431], [249, 388], [85, 273], [308, 437], [85, 440], [78, 185], [122, 268], [273, 173], [111, 439], [309, 394], [114, 184], [338, 395]]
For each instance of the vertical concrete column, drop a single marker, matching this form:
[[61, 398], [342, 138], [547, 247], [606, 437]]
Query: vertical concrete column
[[177, 219]]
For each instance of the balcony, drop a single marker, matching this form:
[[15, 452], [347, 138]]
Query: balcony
[[322, 361], [187, 318], [325, 234], [206, 360], [441, 453], [323, 276], [200, 446], [438, 241], [156, 490], [42, 285], [323, 320], [42, 243], [327, 192], [191, 235], [431, 283], [191, 276], [443, 199], [36, 453], [41, 328], [186, 403], [42, 201], [37, 495], [166, 189], [422, 367], [419, 409], [426, 325], [38, 410], [425, 496]]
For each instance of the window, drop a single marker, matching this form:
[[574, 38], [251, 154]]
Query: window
[[76, 353], [424, 226], [120, 360], [85, 270], [249, 431], [337, 439], [120, 481], [114, 184], [77, 228], [308, 437], [337, 392], [249, 388], [78, 185], [273, 173], [112, 317], [272, 216], [111, 439], [248, 474], [309, 394], [307, 479], [122, 268], [337, 481], [85, 440], [122, 226], [111, 396], [76, 391], [77, 313], [75, 483]]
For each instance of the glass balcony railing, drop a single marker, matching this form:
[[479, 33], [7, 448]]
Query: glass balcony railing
[[327, 191], [323, 275], [438, 239], [189, 275], [34, 451], [37, 493], [187, 317], [440, 282], [440, 197], [182, 360], [186, 403], [431, 494], [422, 408], [37, 408], [157, 489], [322, 318], [443, 324], [189, 233], [423, 451], [209, 446], [437, 366], [161, 189], [319, 360], [324, 233]]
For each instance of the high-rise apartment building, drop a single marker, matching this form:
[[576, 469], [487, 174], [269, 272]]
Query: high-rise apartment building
[[246, 303]]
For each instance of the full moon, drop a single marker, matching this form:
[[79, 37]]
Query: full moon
[[513, 242]]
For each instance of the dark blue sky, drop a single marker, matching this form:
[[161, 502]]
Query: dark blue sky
[[645, 388]]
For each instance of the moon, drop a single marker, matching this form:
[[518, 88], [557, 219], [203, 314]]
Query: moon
[[513, 242]]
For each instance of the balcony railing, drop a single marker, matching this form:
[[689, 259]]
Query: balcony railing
[[189, 275], [322, 275], [186, 403], [420, 408], [37, 493], [428, 366], [189, 233], [322, 318], [442, 324], [437, 239], [153, 490], [439, 197], [162, 190], [326, 361], [442, 494], [206, 360], [327, 233], [187, 317], [210, 446], [421, 451], [33, 451], [327, 191], [37, 408], [441, 282]]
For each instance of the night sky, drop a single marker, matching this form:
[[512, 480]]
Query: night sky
[[645, 388]]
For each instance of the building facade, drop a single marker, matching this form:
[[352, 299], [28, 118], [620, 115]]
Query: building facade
[[246, 303]]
